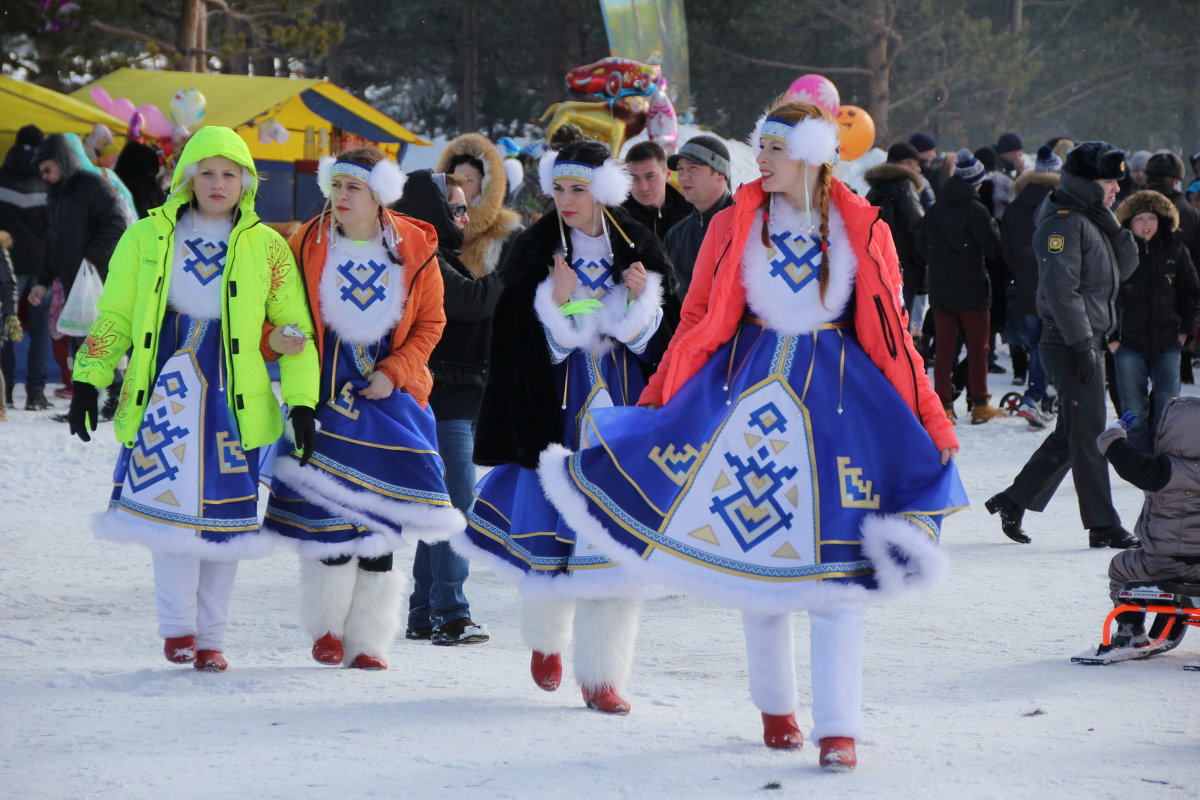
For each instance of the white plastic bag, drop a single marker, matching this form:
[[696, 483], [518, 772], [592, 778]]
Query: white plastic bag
[[79, 312]]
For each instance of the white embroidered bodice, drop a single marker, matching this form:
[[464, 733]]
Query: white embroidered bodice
[[198, 264], [362, 290], [591, 258]]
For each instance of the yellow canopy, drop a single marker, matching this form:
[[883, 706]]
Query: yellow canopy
[[242, 101], [23, 103]]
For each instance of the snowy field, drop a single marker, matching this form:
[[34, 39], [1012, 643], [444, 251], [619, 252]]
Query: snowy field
[[969, 691]]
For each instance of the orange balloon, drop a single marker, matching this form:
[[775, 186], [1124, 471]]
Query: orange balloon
[[857, 131]]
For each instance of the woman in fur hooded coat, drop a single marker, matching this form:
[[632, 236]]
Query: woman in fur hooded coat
[[492, 227], [800, 459], [375, 479], [586, 313]]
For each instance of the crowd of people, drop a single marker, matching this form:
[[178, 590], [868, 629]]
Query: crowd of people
[[677, 384]]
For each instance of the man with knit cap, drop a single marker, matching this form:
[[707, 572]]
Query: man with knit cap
[[1083, 254], [926, 147], [1011, 150], [704, 178], [1164, 174], [960, 238]]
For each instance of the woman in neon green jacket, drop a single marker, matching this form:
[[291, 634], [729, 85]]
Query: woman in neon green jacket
[[188, 291]]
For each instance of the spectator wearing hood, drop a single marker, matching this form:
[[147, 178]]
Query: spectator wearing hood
[[1157, 311], [1023, 327], [1083, 255], [474, 159], [438, 608], [23, 215], [137, 167], [896, 186]]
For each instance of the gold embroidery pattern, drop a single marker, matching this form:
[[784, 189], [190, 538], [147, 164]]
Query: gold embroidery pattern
[[675, 465], [856, 492]]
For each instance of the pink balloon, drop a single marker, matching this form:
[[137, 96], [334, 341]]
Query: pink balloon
[[816, 89], [122, 109], [155, 123], [100, 97]]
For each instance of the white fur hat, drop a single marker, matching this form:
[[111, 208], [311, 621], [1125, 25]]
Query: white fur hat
[[385, 179], [813, 141], [608, 182]]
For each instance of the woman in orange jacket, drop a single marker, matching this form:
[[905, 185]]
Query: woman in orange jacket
[[800, 459], [375, 290]]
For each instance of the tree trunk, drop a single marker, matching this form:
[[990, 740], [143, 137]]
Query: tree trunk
[[333, 61], [878, 38], [1016, 15], [192, 36], [468, 58]]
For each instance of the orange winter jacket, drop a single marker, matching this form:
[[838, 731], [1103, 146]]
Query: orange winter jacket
[[419, 330], [716, 301]]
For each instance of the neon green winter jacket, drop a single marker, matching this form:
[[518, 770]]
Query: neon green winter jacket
[[260, 283]]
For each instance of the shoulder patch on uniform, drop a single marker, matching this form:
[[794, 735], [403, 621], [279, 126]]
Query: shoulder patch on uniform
[[1063, 211], [1055, 244]]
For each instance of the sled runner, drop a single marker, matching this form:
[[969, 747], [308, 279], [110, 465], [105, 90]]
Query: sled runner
[[1175, 606]]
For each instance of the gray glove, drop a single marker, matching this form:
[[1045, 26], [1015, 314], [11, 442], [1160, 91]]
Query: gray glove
[[1109, 435]]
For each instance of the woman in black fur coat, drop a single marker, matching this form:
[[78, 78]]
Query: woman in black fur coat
[[586, 313]]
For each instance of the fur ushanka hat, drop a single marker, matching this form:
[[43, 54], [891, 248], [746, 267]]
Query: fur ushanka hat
[[1096, 161]]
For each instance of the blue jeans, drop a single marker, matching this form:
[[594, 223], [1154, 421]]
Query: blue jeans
[[38, 342], [1025, 330], [1134, 369], [438, 571]]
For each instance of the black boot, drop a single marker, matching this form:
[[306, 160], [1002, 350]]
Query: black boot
[[35, 400], [1011, 515], [1114, 536]]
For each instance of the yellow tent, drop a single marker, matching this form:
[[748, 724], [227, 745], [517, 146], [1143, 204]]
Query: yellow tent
[[23, 103], [243, 101]]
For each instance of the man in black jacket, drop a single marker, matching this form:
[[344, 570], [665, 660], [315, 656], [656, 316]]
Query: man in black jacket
[[23, 215], [896, 188], [653, 202], [704, 177], [1083, 255], [1164, 174]]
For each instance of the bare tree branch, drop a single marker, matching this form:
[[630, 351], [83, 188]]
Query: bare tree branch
[[762, 62], [137, 36]]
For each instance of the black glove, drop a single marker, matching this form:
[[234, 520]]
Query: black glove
[[304, 431], [1104, 219], [1085, 361], [84, 411]]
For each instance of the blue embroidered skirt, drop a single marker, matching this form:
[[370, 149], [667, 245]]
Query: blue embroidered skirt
[[515, 529], [187, 487], [785, 474], [375, 473]]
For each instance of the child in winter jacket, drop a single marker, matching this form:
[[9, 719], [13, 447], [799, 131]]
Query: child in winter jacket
[[1169, 525]]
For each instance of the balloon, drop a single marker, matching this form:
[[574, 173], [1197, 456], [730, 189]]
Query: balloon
[[816, 89], [101, 97], [857, 131], [122, 109], [154, 122], [273, 131], [660, 120], [187, 108], [137, 125]]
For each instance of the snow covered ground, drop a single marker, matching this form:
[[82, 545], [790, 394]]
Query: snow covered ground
[[969, 690]]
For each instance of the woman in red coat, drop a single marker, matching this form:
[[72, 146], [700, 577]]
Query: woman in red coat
[[800, 459]]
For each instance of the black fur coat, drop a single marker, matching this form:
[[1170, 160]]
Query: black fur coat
[[521, 413]]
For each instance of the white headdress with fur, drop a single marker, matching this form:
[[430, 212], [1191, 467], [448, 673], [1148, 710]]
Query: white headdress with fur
[[385, 180], [812, 141], [608, 183]]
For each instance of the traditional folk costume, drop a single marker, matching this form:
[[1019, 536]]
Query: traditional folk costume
[[190, 296], [794, 464], [549, 367], [375, 478]]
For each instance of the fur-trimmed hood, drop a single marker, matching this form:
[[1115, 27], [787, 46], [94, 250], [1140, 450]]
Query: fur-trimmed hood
[[491, 224], [1149, 200], [891, 172], [1048, 179]]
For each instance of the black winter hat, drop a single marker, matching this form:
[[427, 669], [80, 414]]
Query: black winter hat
[[922, 141], [987, 156], [29, 137], [1095, 161], [901, 151], [1165, 165], [1009, 142]]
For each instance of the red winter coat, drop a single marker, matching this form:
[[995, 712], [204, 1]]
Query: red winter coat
[[716, 302]]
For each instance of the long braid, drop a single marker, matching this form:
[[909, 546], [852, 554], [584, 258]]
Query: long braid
[[825, 180]]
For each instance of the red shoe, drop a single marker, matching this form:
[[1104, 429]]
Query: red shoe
[[180, 649], [605, 699], [210, 661], [364, 661], [837, 754], [546, 670], [781, 732], [327, 649], [64, 392]]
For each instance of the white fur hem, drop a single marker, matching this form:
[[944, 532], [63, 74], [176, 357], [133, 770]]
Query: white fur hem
[[884, 537], [116, 525], [629, 323], [578, 331], [381, 541], [803, 312], [427, 523]]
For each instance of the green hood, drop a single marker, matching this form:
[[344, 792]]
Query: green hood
[[209, 141]]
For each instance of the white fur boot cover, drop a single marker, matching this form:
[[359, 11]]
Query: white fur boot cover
[[325, 594], [771, 661], [605, 632], [546, 623], [374, 614]]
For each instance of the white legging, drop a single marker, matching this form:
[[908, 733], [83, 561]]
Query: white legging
[[193, 598], [836, 641]]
